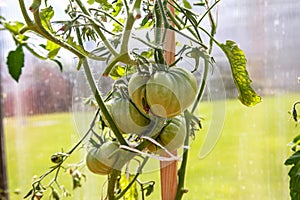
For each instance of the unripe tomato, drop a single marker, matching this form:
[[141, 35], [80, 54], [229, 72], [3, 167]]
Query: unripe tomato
[[127, 117], [101, 160], [137, 91], [173, 134], [170, 92]]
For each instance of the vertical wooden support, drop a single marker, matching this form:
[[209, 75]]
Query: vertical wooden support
[[168, 178], [168, 170]]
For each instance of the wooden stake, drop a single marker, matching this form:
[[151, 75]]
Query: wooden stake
[[168, 178], [168, 170]]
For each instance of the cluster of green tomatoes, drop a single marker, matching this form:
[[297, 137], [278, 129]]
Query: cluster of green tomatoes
[[164, 94]]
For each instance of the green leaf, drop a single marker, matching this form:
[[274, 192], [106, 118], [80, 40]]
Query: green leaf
[[91, 2], [149, 189], [294, 159], [117, 8], [147, 54], [52, 48], [132, 192], [117, 72], [46, 15], [294, 175], [117, 26], [104, 4], [13, 27], [187, 4], [15, 62], [240, 75]]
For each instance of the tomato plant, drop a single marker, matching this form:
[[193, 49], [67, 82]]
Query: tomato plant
[[157, 97]]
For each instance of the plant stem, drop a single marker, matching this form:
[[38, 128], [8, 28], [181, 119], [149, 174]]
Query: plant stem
[[111, 184], [100, 102], [165, 20], [158, 24], [208, 11], [210, 36], [128, 25], [87, 133], [25, 13], [202, 86], [213, 26], [134, 179], [173, 19], [182, 169]]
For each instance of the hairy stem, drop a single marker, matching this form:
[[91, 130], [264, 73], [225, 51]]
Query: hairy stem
[[202, 86], [129, 25], [25, 13], [100, 102]]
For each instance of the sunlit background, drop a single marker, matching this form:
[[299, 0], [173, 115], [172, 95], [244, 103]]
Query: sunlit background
[[246, 163]]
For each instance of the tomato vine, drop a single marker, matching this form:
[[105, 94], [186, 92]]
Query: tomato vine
[[110, 26]]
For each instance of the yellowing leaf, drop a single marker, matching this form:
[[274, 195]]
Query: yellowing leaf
[[240, 75], [132, 193], [46, 15], [53, 49], [117, 72]]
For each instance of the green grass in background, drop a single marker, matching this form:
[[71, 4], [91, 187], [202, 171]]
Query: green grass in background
[[246, 163]]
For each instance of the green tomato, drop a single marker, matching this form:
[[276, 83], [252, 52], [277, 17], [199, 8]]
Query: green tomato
[[173, 134], [101, 160], [137, 91], [171, 137], [127, 117], [170, 92]]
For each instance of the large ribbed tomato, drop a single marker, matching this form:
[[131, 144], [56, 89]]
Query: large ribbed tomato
[[127, 117], [137, 91], [170, 92], [101, 160]]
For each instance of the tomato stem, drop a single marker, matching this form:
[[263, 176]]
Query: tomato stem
[[25, 13], [182, 169], [101, 104], [202, 86]]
